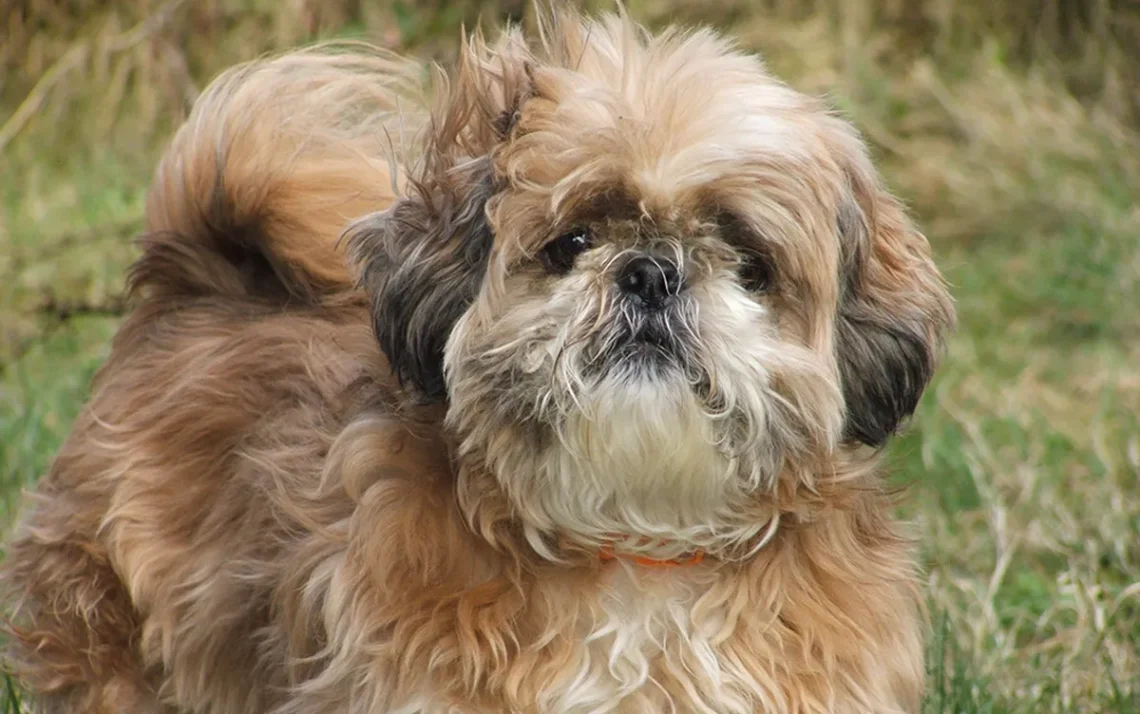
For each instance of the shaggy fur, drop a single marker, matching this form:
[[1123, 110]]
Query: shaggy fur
[[445, 482]]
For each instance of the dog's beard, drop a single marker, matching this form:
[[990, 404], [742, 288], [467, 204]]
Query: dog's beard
[[668, 426]]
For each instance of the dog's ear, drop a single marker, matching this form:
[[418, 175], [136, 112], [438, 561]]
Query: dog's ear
[[894, 308], [422, 261]]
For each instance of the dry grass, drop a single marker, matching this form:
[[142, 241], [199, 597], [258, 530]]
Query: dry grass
[[1013, 128]]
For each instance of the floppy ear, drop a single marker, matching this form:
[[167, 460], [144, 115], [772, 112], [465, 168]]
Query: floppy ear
[[894, 309], [422, 261]]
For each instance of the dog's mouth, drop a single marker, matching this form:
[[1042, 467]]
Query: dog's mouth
[[651, 343], [645, 350]]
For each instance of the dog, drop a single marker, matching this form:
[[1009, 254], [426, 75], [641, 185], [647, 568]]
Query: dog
[[555, 384]]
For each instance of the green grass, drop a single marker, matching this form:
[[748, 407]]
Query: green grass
[[1023, 166]]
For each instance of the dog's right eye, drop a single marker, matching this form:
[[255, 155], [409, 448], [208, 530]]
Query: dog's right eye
[[558, 255]]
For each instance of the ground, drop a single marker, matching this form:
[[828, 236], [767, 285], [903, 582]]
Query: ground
[[1012, 132]]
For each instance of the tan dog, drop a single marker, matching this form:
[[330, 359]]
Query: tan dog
[[594, 428]]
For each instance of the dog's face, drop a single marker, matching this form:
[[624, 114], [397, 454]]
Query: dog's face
[[650, 282]]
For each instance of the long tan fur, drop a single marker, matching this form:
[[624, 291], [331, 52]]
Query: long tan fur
[[304, 484]]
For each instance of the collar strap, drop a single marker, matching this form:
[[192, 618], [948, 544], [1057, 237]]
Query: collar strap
[[606, 553]]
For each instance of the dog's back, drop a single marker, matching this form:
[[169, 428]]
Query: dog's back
[[245, 335]]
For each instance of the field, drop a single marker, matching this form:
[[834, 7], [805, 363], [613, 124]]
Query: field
[[1012, 127]]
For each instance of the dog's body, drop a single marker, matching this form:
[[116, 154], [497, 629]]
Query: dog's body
[[264, 508]]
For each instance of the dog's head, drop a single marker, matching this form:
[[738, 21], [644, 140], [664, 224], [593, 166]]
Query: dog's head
[[649, 281]]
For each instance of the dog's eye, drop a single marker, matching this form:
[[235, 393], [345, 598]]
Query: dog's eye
[[756, 273], [559, 254]]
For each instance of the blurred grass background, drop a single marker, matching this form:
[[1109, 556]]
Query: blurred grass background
[[1011, 126]]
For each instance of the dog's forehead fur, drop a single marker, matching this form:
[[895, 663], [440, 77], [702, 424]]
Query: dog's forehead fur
[[680, 129]]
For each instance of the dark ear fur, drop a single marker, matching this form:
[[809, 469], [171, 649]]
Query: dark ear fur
[[893, 313], [422, 262]]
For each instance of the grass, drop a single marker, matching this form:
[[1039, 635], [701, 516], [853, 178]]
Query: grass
[[1013, 130]]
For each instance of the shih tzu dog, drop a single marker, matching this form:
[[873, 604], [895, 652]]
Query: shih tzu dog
[[583, 414]]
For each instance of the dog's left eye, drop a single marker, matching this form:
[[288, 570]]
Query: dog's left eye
[[756, 273], [559, 254]]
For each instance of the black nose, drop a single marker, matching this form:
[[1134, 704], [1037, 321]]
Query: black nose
[[652, 280]]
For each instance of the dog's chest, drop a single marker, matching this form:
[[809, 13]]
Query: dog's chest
[[653, 640]]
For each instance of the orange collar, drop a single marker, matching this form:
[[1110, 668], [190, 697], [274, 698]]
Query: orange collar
[[606, 553]]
